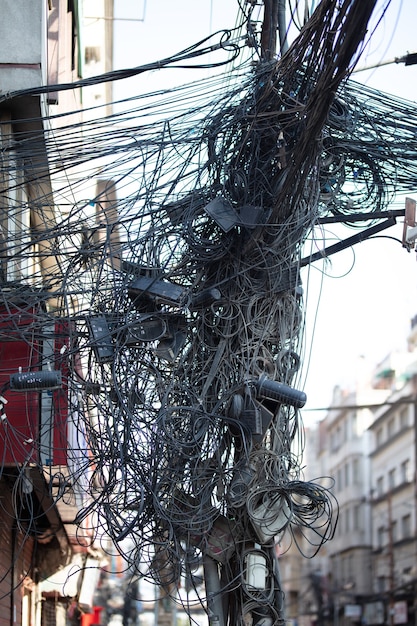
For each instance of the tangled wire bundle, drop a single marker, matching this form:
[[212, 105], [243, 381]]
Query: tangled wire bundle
[[171, 301]]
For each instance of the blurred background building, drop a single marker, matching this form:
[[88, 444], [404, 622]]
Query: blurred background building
[[367, 443]]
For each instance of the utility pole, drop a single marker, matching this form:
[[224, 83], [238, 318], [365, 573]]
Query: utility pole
[[269, 30], [216, 598], [274, 22]]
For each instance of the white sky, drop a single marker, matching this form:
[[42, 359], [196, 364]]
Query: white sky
[[369, 292], [366, 312]]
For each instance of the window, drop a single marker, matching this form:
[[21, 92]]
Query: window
[[380, 536], [350, 568], [356, 472], [380, 486], [379, 436], [391, 427], [345, 426], [15, 221], [347, 475], [405, 471], [334, 440], [339, 479], [404, 417], [392, 478], [406, 526], [357, 517], [92, 54], [407, 574], [347, 520], [394, 530], [355, 424]]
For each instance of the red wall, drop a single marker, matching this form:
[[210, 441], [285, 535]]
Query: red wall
[[18, 348], [21, 347]]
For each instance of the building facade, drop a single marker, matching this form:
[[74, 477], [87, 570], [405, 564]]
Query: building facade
[[49, 565], [394, 504], [367, 444]]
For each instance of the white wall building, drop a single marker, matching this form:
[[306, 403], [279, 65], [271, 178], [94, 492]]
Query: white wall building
[[367, 444], [393, 460]]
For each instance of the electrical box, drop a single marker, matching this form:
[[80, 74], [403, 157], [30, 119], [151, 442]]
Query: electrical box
[[256, 570], [101, 338], [161, 291], [270, 517]]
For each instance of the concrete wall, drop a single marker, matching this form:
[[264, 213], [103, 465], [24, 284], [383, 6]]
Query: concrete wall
[[22, 44]]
